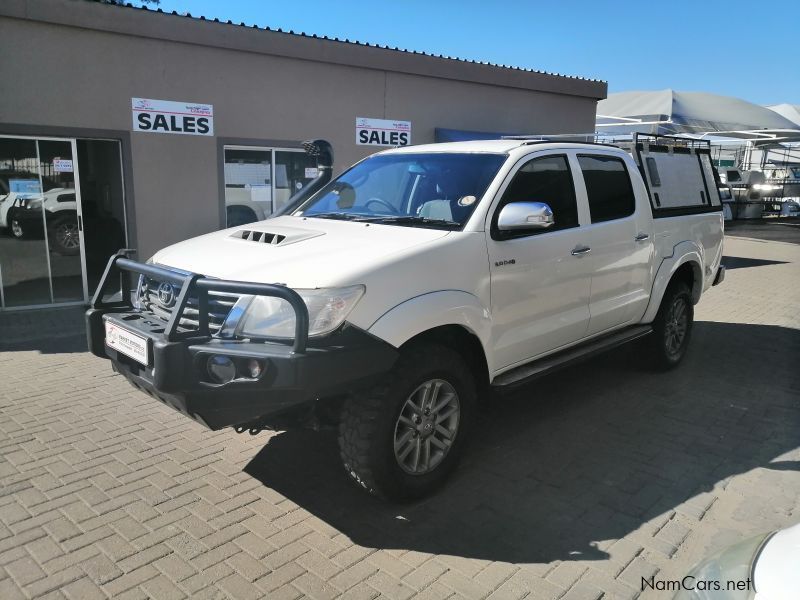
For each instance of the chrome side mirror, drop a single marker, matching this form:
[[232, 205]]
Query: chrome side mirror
[[517, 216]]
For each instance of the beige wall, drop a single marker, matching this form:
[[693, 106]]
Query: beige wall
[[58, 75]]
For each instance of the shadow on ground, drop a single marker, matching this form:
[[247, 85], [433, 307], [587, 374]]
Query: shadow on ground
[[582, 456], [740, 262]]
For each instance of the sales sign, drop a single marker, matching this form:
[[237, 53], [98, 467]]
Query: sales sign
[[166, 116], [382, 132]]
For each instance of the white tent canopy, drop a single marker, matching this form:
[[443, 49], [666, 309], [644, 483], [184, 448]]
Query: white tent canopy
[[788, 111], [671, 112]]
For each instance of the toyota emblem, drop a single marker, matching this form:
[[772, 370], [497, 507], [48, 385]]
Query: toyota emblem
[[166, 295]]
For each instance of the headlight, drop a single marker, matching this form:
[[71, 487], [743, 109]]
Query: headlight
[[267, 316]]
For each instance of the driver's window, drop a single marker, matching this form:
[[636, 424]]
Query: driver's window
[[546, 179]]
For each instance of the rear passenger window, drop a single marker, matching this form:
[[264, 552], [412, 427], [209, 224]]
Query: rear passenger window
[[608, 187], [546, 179]]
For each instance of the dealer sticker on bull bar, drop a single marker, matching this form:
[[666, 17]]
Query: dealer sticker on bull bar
[[130, 344]]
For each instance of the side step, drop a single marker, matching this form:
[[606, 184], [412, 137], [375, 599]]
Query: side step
[[529, 371]]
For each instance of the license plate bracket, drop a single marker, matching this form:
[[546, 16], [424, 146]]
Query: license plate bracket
[[127, 342]]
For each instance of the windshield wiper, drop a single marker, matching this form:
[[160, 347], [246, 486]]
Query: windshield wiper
[[411, 220], [336, 215]]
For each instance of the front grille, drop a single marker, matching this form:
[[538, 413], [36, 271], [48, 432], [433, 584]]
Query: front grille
[[219, 305]]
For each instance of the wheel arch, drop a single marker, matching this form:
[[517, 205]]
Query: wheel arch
[[453, 318], [685, 265], [461, 340]]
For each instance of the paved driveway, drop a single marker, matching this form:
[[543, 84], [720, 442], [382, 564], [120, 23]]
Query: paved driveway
[[576, 487]]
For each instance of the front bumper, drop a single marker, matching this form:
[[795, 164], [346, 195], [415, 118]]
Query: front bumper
[[294, 373]]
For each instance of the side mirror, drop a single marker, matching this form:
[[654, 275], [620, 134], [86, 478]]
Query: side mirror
[[518, 216]]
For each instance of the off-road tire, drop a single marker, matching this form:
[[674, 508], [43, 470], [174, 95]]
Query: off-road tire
[[368, 420], [662, 356]]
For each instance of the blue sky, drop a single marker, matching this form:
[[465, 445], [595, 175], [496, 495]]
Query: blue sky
[[698, 45]]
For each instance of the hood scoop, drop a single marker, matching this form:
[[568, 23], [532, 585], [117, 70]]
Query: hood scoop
[[278, 236], [260, 236]]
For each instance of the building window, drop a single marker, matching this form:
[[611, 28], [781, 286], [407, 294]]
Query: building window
[[260, 181]]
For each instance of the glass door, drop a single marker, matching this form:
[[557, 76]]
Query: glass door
[[41, 250]]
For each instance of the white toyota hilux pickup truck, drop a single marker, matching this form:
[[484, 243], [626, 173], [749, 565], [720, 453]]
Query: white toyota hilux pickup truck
[[397, 294]]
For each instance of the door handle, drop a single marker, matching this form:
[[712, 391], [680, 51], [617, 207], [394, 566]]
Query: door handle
[[581, 250], [642, 237]]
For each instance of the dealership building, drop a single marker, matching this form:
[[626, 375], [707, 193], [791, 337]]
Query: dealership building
[[129, 127]]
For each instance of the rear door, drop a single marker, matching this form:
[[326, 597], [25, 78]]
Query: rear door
[[620, 237], [539, 283]]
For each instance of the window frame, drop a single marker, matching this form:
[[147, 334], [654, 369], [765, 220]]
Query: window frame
[[501, 236], [610, 156]]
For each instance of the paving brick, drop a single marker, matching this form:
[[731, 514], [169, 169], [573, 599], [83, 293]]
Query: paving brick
[[390, 586], [162, 587], [175, 567], [611, 475], [239, 587], [205, 578], [24, 570], [315, 588], [247, 566], [361, 591], [101, 569], [83, 589], [354, 575], [280, 577], [52, 582]]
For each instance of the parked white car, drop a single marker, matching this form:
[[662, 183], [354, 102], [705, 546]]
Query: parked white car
[[26, 214], [400, 292], [764, 567]]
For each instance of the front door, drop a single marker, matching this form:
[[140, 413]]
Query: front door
[[54, 240], [540, 281], [40, 242]]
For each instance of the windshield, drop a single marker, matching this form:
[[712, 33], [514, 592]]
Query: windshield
[[417, 190]]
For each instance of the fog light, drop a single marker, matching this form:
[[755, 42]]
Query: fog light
[[254, 368], [221, 369]]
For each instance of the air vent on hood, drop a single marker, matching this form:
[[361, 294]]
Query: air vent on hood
[[260, 236]]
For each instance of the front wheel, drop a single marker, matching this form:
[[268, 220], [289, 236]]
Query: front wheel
[[672, 328], [401, 439], [65, 236], [18, 230]]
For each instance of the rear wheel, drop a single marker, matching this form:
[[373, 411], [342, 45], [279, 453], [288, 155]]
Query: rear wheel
[[401, 439], [672, 328]]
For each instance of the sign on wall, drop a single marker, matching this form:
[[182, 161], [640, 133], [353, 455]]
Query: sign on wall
[[166, 116], [382, 132]]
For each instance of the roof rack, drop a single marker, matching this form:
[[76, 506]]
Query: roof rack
[[618, 140]]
